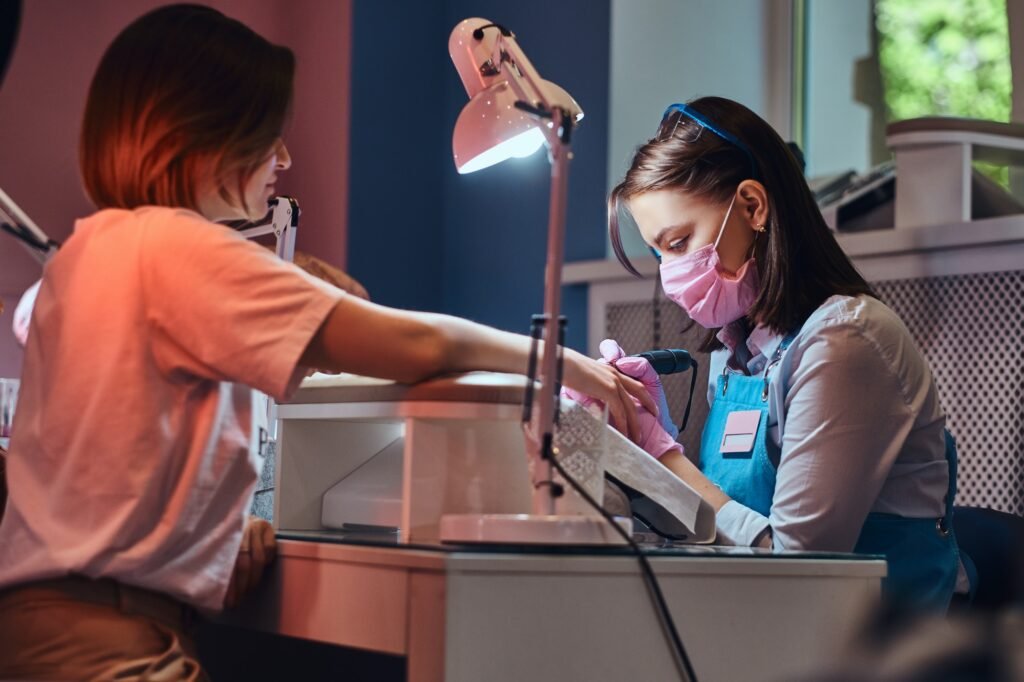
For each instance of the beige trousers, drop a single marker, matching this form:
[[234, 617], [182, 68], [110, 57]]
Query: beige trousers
[[78, 629]]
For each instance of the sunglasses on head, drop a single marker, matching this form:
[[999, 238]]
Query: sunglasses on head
[[705, 124]]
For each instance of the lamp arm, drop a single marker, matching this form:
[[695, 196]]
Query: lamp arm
[[523, 80], [523, 77], [282, 220], [556, 116], [525, 84], [16, 222]]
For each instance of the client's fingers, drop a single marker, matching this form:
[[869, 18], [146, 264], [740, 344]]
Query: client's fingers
[[632, 421], [639, 391]]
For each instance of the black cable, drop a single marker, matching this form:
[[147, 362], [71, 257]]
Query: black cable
[[656, 343], [650, 580], [656, 312], [689, 401]]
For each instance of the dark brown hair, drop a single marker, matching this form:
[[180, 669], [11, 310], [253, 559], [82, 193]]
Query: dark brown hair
[[181, 92], [800, 262]]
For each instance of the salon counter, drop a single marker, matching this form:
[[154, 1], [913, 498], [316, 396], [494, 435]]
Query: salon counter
[[462, 614]]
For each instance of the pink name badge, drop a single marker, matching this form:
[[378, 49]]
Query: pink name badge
[[740, 432]]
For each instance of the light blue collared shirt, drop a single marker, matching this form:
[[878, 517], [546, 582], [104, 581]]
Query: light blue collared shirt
[[854, 426]]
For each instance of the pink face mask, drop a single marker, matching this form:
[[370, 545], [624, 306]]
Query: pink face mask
[[696, 282]]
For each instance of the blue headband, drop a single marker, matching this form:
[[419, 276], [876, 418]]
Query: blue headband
[[703, 122]]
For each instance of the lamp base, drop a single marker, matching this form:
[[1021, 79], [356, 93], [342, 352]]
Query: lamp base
[[532, 529]]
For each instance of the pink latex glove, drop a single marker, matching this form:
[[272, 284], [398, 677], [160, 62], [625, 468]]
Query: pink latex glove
[[654, 438]]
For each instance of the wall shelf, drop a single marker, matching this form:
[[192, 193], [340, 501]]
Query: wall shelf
[[988, 245]]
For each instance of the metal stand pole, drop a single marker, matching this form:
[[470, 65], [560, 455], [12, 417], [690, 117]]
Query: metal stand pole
[[545, 495]]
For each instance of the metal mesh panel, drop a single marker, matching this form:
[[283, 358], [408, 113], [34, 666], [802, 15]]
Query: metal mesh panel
[[970, 329]]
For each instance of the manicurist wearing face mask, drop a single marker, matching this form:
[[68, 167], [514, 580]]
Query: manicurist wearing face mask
[[825, 430]]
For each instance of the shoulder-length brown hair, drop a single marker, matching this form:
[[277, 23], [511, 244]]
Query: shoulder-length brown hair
[[800, 262], [183, 92]]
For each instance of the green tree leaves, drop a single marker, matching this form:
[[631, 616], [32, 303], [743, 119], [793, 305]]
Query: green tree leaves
[[945, 58]]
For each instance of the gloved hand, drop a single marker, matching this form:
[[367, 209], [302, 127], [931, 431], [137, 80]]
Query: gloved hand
[[641, 370], [657, 433]]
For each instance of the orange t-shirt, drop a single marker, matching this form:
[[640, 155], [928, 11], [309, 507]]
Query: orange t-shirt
[[132, 454]]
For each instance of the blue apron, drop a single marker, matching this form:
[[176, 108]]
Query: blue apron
[[921, 552]]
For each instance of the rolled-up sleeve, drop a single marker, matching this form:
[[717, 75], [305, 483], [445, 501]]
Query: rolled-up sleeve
[[739, 525]]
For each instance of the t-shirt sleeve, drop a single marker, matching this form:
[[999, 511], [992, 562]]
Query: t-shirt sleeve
[[220, 307]]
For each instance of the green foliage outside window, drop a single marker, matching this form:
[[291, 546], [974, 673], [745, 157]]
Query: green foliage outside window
[[946, 58]]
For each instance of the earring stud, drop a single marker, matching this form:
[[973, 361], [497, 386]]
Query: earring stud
[[761, 228]]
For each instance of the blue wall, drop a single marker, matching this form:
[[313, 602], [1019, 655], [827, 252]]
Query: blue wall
[[420, 235], [396, 152]]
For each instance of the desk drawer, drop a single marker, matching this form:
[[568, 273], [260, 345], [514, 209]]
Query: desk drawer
[[350, 604]]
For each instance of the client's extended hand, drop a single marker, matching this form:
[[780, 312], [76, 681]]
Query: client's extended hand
[[258, 549], [598, 381]]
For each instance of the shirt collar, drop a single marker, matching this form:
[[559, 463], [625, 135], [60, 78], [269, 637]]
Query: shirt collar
[[731, 335], [761, 342]]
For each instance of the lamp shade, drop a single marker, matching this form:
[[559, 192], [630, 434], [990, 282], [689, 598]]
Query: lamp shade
[[490, 128]]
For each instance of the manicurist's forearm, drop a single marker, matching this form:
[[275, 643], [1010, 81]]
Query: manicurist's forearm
[[682, 467]]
